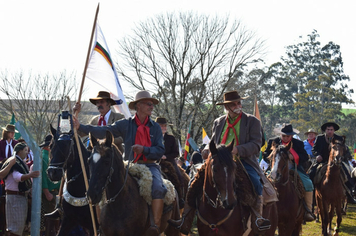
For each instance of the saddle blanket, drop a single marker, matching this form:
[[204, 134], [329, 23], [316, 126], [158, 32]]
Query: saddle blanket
[[143, 176]]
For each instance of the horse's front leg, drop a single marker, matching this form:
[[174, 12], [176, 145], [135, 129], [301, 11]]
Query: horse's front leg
[[338, 220], [331, 216], [324, 218]]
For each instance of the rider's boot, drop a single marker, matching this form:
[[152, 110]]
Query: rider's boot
[[58, 212], [184, 224], [308, 198], [157, 210], [261, 223]]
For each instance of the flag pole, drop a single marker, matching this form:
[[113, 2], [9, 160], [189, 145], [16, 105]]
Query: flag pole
[[88, 55]]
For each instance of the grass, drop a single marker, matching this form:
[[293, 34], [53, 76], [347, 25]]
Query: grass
[[347, 228]]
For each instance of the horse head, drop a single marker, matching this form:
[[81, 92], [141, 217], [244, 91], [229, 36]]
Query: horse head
[[101, 164], [220, 173], [61, 148], [338, 150], [280, 158]]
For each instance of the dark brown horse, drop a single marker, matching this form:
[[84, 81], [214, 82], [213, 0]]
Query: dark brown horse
[[290, 206], [219, 211], [329, 192], [125, 212]]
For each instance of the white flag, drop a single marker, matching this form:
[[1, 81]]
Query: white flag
[[206, 139], [101, 71]]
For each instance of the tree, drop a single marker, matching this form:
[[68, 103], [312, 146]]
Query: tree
[[187, 61], [312, 81], [35, 99]]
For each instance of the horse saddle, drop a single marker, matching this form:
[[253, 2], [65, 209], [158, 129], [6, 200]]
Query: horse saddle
[[142, 174]]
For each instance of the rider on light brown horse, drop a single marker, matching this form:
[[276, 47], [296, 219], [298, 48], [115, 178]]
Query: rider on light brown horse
[[321, 150], [245, 130]]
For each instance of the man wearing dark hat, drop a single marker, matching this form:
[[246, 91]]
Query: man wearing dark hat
[[246, 132], [309, 142], [103, 102], [300, 156], [170, 155], [7, 143], [321, 152], [143, 141]]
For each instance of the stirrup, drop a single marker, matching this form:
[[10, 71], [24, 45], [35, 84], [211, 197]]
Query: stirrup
[[262, 227], [172, 223]]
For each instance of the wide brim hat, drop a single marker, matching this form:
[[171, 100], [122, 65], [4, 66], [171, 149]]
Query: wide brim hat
[[287, 129], [311, 131], [327, 124], [10, 128], [102, 95], [47, 141], [142, 95], [162, 121], [230, 97]]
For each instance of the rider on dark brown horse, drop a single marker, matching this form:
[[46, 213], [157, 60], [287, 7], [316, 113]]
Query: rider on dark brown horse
[[245, 130], [321, 150], [170, 154], [300, 156], [143, 140]]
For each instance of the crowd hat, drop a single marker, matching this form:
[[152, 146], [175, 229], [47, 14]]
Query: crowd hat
[[142, 95], [46, 141], [162, 121], [311, 131], [230, 97], [327, 124], [10, 128], [102, 95], [287, 129]]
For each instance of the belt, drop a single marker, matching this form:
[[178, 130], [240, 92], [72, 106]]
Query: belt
[[146, 162], [10, 192]]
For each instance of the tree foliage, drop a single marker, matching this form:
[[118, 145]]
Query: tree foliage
[[188, 61]]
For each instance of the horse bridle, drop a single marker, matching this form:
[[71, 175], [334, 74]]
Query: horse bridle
[[108, 179], [62, 165], [285, 166], [218, 197]]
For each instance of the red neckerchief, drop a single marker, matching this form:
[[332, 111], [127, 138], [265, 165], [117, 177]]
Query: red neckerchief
[[311, 142], [102, 121], [142, 136], [231, 126], [293, 152]]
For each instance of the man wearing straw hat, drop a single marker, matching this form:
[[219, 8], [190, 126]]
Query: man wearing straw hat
[[309, 142], [7, 143], [103, 102], [143, 141], [246, 132]]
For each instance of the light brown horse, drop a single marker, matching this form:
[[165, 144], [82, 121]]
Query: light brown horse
[[329, 192], [290, 206], [219, 211]]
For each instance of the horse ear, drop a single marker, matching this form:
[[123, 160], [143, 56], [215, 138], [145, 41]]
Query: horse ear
[[212, 147], [231, 145], [53, 131], [93, 140], [109, 139]]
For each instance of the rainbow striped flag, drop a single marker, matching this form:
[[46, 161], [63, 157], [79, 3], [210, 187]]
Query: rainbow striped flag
[[102, 72]]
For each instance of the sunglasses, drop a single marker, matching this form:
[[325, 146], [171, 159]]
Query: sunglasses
[[148, 103]]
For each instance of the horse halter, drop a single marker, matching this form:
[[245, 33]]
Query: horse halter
[[280, 152], [218, 200], [61, 165]]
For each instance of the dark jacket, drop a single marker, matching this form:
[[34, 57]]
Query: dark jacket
[[171, 148], [298, 147], [321, 147]]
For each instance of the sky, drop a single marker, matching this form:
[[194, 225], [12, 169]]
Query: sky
[[53, 36]]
